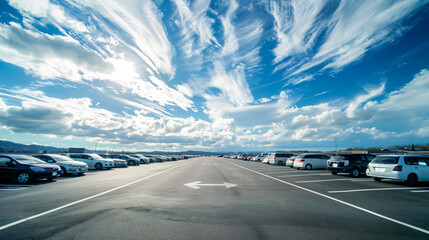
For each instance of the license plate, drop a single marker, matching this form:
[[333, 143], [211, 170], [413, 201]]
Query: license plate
[[334, 165], [379, 169], [54, 173]]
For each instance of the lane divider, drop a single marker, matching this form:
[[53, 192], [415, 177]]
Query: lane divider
[[88, 198], [337, 200]]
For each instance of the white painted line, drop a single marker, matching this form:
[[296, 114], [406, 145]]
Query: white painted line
[[324, 180], [336, 179], [420, 191], [339, 201], [86, 199], [372, 189], [308, 174], [198, 184], [281, 172]]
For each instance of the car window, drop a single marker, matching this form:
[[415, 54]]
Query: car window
[[370, 157], [338, 158], [426, 160], [386, 160], [422, 161], [411, 161], [3, 161]]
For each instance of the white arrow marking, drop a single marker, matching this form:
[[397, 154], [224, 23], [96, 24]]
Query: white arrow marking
[[198, 184]]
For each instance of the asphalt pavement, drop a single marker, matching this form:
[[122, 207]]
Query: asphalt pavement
[[213, 198]]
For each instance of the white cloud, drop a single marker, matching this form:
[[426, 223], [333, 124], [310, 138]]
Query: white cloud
[[196, 26], [354, 28], [232, 84], [295, 26]]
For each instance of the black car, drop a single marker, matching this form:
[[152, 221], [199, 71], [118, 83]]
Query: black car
[[352, 163], [22, 168]]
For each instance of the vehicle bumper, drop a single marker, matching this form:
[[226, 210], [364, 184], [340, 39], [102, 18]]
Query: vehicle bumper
[[339, 169], [392, 175], [42, 175], [77, 170], [298, 164]]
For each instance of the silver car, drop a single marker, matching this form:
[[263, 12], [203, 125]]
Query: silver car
[[67, 165]]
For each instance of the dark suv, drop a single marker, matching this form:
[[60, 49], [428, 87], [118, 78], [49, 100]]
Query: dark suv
[[352, 163]]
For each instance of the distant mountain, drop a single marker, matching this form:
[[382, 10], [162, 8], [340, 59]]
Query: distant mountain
[[11, 147]]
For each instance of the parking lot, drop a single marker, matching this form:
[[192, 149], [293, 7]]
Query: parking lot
[[213, 198]]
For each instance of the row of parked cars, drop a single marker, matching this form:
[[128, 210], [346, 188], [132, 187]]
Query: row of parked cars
[[24, 168], [409, 168]]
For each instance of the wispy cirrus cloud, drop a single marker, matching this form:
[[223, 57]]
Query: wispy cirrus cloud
[[354, 28], [196, 26], [123, 44]]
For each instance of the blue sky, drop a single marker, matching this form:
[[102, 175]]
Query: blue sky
[[214, 75]]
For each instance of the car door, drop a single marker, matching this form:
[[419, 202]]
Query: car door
[[7, 170], [423, 167]]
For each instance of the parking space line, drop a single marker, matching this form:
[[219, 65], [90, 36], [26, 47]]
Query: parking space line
[[420, 191], [281, 171], [337, 200], [308, 174], [323, 180], [373, 189], [88, 198]]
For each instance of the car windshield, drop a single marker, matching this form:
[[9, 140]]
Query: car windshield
[[61, 158], [337, 158], [28, 160], [96, 156], [386, 160]]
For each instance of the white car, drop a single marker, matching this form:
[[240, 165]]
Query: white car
[[310, 161], [278, 158], [409, 168], [260, 157], [290, 161], [67, 165], [92, 160], [143, 159]]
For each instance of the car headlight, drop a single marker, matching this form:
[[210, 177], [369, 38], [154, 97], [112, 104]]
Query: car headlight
[[37, 169]]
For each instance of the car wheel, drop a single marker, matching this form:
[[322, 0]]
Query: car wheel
[[22, 178], [308, 167], [412, 180], [98, 166], [61, 172], [280, 163], [334, 173], [355, 172], [377, 179]]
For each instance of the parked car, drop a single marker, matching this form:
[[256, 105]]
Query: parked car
[[92, 160], [278, 158], [22, 168], [67, 165], [261, 157], [351, 163], [409, 168], [290, 161], [143, 159], [131, 161], [310, 161], [116, 161]]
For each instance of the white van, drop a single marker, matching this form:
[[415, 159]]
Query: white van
[[278, 158]]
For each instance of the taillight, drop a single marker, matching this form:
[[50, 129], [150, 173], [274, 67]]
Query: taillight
[[301, 160], [397, 168]]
